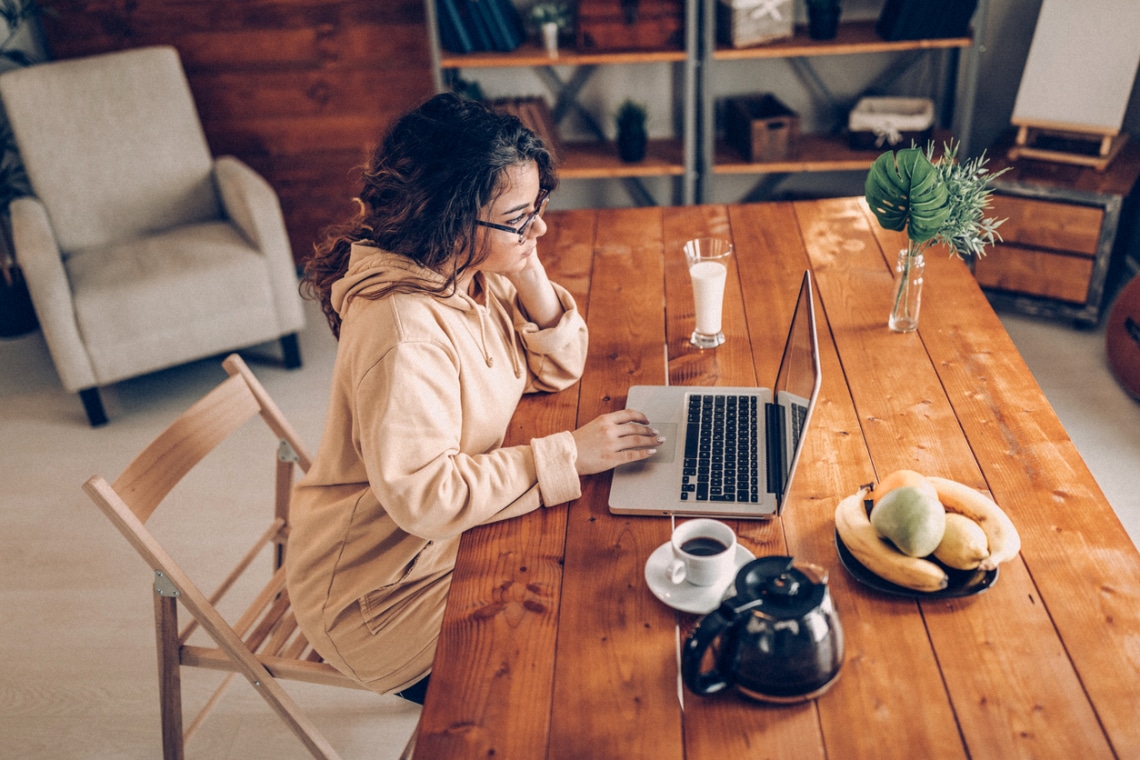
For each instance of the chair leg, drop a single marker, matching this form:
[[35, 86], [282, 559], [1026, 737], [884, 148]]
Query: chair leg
[[292, 350], [169, 675], [93, 405]]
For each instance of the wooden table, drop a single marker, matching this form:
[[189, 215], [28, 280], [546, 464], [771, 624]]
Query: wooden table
[[553, 646]]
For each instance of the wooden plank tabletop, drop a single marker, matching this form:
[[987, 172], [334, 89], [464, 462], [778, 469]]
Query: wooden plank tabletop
[[553, 646]]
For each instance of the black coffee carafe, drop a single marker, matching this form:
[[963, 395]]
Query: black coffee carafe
[[776, 639]]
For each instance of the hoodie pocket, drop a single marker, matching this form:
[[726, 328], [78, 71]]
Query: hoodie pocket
[[378, 605]]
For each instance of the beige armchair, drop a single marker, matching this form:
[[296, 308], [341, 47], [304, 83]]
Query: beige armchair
[[140, 249]]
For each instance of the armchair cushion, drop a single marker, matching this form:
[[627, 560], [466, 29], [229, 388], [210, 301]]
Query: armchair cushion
[[159, 300]]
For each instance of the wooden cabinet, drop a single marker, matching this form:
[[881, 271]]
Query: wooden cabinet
[[1063, 235]]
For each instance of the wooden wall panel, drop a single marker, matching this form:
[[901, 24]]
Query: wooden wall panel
[[301, 90]]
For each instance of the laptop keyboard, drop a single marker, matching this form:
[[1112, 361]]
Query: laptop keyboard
[[722, 449], [799, 417]]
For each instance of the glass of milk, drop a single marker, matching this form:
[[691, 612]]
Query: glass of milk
[[708, 269]]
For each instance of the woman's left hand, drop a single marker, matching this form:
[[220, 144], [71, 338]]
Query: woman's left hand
[[536, 294]]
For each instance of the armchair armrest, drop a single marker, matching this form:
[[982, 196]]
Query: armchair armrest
[[40, 260], [252, 205]]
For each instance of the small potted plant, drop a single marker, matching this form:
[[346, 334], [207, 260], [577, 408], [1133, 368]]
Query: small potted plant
[[941, 201], [551, 18], [22, 47], [632, 136], [823, 19]]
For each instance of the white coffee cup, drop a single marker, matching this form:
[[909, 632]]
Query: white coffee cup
[[704, 553]]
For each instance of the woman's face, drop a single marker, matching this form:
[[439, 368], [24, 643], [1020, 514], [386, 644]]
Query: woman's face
[[506, 255]]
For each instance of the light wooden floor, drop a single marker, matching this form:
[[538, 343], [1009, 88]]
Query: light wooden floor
[[75, 601]]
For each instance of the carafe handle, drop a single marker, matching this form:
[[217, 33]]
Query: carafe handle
[[708, 629]]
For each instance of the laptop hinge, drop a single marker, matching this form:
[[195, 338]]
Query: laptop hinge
[[775, 420]]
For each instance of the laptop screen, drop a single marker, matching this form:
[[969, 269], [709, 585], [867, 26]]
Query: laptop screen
[[798, 380]]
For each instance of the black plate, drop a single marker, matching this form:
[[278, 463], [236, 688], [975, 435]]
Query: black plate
[[959, 582]]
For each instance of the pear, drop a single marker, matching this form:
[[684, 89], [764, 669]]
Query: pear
[[911, 518]]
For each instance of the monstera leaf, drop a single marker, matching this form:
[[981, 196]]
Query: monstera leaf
[[905, 190]]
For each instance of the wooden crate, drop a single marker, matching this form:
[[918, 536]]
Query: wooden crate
[[630, 25], [761, 127]]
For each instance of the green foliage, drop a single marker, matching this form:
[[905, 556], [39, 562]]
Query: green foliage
[[631, 116], [905, 191], [468, 89], [941, 201], [548, 12], [13, 179]]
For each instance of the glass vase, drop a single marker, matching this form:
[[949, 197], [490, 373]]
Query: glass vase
[[908, 291]]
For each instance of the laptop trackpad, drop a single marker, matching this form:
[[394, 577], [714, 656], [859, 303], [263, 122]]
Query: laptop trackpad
[[665, 451]]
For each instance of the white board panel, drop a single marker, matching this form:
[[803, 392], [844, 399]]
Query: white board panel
[[1081, 65]]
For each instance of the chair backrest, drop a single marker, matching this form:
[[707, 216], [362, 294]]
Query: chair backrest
[[112, 145], [263, 644], [197, 431]]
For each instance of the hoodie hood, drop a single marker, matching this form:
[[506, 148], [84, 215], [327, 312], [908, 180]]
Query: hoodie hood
[[372, 268]]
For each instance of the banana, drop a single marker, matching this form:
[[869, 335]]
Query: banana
[[1003, 538], [878, 556]]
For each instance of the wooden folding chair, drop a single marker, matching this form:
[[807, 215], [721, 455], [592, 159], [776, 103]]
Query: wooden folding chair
[[264, 644]]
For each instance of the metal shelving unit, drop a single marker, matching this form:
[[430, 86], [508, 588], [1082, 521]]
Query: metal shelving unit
[[696, 157]]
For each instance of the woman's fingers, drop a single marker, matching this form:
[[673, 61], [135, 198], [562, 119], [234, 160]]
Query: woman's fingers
[[613, 439]]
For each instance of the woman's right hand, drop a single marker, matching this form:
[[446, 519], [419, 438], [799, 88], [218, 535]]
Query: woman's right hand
[[613, 439]]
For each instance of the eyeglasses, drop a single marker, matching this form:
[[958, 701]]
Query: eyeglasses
[[521, 230]]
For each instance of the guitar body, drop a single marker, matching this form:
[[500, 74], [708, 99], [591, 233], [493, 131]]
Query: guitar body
[[1122, 338]]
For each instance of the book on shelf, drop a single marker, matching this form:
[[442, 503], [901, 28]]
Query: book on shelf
[[470, 26], [452, 32], [494, 20], [473, 20], [511, 21]]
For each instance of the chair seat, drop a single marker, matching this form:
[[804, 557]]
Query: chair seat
[[269, 629], [130, 303]]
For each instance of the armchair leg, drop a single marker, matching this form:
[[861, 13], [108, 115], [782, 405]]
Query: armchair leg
[[292, 350], [93, 405]]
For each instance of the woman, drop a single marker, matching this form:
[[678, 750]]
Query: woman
[[445, 317]]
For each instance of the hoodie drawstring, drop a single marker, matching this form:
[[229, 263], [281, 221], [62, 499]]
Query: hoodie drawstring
[[511, 348]]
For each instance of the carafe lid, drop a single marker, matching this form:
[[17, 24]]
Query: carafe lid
[[778, 588]]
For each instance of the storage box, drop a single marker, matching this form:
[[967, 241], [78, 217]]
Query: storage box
[[890, 123], [761, 127], [744, 23], [925, 19], [630, 25]]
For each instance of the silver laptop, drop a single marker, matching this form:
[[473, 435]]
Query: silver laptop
[[728, 452]]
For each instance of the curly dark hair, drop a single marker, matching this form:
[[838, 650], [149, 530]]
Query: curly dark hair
[[438, 167]]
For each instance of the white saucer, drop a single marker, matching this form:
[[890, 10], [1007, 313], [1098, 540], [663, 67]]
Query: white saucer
[[684, 596]]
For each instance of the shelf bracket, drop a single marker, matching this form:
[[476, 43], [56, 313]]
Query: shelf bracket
[[566, 96], [565, 92]]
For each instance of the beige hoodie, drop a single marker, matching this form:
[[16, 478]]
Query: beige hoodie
[[422, 393]]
